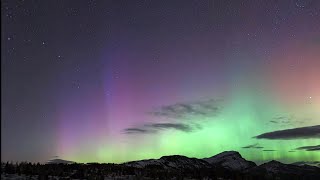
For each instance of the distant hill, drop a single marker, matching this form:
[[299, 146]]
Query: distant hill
[[284, 171], [59, 161], [310, 163]]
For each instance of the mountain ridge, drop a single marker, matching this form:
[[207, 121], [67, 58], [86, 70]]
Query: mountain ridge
[[231, 160], [228, 162]]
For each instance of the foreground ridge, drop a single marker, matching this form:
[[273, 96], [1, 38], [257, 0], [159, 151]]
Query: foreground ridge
[[226, 165]]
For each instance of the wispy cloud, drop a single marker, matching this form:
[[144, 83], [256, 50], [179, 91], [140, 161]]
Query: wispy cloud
[[136, 131], [274, 122], [296, 133], [156, 127], [286, 120], [281, 120], [309, 148], [186, 110], [253, 146], [176, 126], [177, 114]]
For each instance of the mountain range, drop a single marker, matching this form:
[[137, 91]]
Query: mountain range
[[231, 162]]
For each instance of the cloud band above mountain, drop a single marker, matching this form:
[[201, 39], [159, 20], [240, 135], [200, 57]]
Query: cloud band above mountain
[[155, 127], [181, 113], [253, 146], [296, 133], [309, 148], [185, 110]]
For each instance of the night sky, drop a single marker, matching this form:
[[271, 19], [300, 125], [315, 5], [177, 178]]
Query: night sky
[[114, 81]]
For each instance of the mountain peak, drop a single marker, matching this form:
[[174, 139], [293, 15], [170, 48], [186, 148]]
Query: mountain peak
[[230, 160], [229, 153], [174, 157], [274, 162]]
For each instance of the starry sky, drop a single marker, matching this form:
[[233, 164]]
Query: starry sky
[[116, 80]]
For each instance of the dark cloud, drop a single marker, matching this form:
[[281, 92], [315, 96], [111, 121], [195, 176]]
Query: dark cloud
[[135, 131], [274, 122], [309, 148], [269, 150], [156, 127], [186, 110], [296, 133], [176, 126], [253, 146], [178, 111]]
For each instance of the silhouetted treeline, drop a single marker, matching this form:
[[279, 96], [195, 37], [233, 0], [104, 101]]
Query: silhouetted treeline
[[96, 171], [99, 171]]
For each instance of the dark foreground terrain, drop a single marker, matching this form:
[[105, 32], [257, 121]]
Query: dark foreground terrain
[[226, 165]]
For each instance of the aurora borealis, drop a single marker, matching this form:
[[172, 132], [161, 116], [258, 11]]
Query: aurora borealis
[[115, 81]]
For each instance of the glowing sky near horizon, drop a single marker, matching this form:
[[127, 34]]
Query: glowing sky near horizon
[[109, 81]]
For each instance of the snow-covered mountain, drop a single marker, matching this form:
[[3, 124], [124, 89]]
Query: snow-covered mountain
[[171, 162], [310, 163], [278, 169], [231, 160]]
